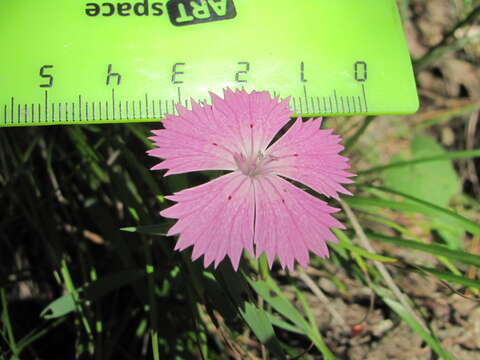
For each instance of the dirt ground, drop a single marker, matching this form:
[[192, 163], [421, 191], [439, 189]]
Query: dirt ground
[[446, 86]]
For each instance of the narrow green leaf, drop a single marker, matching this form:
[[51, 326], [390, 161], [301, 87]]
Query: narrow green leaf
[[276, 321], [313, 332], [410, 320], [344, 242], [66, 303], [261, 326], [59, 307], [453, 255], [277, 300], [236, 286], [160, 229], [447, 276], [416, 205], [442, 157]]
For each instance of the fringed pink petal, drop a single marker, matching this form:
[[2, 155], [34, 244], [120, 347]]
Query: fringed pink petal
[[290, 222], [208, 137], [217, 218], [191, 141], [252, 118], [309, 155]]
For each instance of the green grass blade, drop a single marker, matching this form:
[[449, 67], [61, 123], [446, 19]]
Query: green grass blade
[[313, 332], [160, 229], [414, 205], [236, 286], [429, 339], [274, 296], [442, 157], [452, 278], [344, 242], [284, 325], [66, 303], [435, 249], [261, 326]]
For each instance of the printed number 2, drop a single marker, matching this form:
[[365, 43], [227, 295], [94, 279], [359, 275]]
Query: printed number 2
[[246, 68], [46, 76]]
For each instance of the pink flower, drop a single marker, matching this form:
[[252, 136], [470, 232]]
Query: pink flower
[[253, 207]]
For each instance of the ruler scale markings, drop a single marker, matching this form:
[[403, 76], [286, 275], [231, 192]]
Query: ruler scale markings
[[80, 107], [128, 110], [398, 95], [146, 105], [160, 113], [46, 106], [306, 96], [113, 104], [336, 99], [364, 97], [93, 110], [25, 113], [134, 112]]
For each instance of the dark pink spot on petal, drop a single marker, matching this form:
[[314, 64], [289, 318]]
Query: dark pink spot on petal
[[229, 197], [295, 155], [251, 126], [214, 144]]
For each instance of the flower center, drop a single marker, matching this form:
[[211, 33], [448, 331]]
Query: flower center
[[253, 164]]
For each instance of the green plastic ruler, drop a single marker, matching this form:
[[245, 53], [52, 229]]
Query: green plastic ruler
[[111, 61]]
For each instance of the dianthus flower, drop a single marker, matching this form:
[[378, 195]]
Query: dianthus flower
[[252, 207]]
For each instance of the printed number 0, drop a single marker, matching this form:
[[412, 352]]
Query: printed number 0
[[360, 71]]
